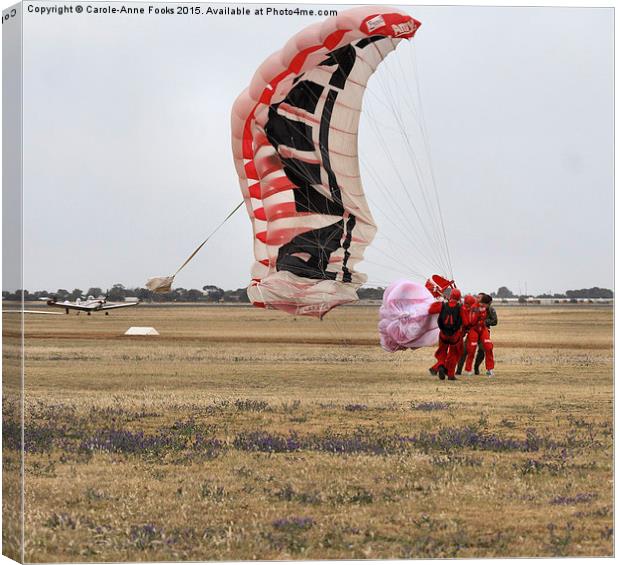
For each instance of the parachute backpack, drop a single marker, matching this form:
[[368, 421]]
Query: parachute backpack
[[294, 140], [449, 320]]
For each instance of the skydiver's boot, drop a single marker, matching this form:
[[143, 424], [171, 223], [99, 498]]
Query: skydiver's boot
[[452, 378], [441, 372], [476, 369], [433, 371]]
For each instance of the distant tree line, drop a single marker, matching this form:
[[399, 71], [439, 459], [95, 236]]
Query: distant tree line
[[211, 293], [505, 292], [119, 293], [594, 292], [370, 293]]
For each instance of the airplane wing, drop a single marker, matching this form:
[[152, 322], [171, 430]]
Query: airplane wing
[[73, 306], [118, 305], [31, 312]]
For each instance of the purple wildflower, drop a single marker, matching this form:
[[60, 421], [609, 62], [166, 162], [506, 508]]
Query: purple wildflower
[[355, 407], [294, 523], [580, 498], [430, 406]]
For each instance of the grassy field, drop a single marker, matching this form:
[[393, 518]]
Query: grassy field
[[241, 433]]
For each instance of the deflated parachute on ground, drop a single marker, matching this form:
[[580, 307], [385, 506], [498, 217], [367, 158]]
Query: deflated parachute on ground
[[294, 139], [404, 321]]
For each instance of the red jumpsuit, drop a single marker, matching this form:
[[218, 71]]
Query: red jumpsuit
[[450, 346], [479, 332], [467, 326]]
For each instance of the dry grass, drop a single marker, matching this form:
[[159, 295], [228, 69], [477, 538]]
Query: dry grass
[[243, 434]]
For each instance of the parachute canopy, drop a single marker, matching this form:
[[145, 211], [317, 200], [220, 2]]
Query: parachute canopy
[[404, 321], [294, 140]]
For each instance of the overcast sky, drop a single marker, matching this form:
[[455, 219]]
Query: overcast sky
[[127, 160]]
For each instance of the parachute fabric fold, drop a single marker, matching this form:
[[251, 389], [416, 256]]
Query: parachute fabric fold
[[404, 321], [294, 141], [160, 284]]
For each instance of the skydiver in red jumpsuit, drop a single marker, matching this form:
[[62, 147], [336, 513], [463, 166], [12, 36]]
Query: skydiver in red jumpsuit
[[452, 317], [479, 332], [469, 302]]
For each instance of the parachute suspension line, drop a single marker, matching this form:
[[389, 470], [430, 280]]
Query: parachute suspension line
[[421, 124], [439, 239], [398, 255], [164, 284], [410, 102], [393, 109], [405, 231], [399, 258], [430, 161], [394, 205], [398, 210], [395, 208], [400, 264], [394, 269], [390, 158], [230, 215], [432, 240], [411, 153]]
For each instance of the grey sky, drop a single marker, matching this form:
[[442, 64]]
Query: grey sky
[[127, 160]]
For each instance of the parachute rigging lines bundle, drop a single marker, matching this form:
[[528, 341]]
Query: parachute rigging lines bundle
[[163, 284], [398, 175], [294, 140]]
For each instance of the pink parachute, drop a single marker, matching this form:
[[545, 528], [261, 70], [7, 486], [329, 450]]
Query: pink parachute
[[294, 140], [404, 321]]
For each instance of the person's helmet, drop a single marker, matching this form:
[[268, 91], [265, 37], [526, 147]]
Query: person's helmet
[[455, 294], [486, 298], [469, 300]]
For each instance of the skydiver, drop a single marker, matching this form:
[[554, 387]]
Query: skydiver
[[490, 321], [469, 303], [452, 317], [480, 336]]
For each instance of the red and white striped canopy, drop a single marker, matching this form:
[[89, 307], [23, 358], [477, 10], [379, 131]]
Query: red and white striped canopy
[[294, 140]]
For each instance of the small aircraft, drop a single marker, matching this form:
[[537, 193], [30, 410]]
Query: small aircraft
[[91, 304]]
